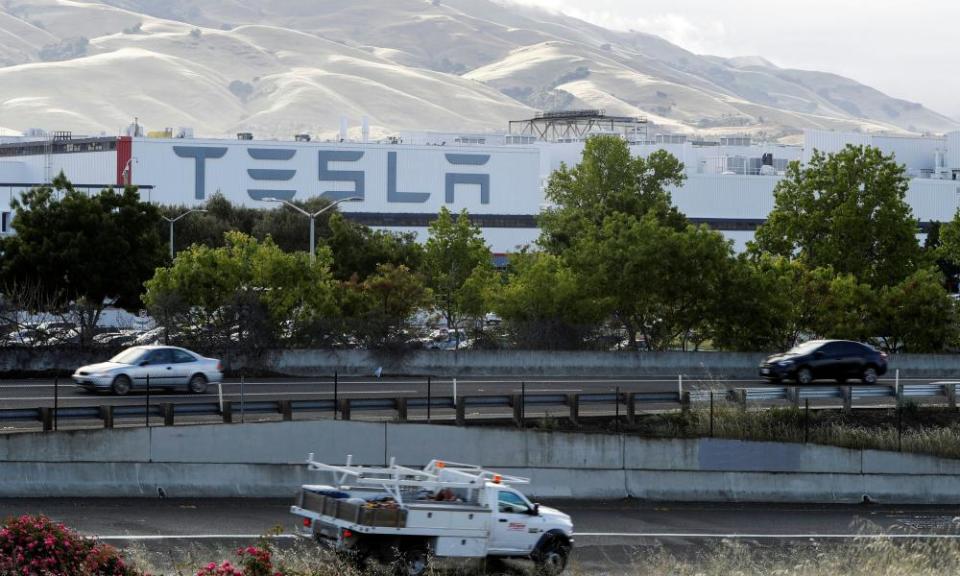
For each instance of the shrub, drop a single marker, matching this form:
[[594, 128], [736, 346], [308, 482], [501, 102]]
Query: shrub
[[252, 561], [36, 545]]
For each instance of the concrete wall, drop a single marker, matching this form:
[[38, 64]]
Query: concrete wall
[[261, 460], [516, 363]]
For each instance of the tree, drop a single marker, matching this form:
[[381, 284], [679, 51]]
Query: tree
[[391, 297], [248, 292], [845, 211], [82, 251], [652, 279], [543, 304], [458, 268], [944, 241], [759, 305], [359, 250], [608, 180], [917, 315]]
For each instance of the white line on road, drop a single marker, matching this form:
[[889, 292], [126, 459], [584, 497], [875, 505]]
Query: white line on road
[[159, 396], [144, 537], [701, 535], [765, 536]]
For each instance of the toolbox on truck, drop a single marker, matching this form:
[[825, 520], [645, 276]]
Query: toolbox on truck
[[350, 512]]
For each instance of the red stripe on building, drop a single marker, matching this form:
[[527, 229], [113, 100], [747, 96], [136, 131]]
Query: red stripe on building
[[124, 154]]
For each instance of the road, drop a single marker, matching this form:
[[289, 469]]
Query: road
[[607, 533], [37, 393]]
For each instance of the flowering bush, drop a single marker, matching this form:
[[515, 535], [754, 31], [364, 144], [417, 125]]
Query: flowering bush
[[35, 545], [253, 561]]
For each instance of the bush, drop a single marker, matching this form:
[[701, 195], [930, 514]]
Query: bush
[[36, 545], [253, 561], [65, 50]]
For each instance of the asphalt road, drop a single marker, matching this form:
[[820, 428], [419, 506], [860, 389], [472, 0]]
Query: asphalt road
[[38, 393], [608, 534], [596, 523]]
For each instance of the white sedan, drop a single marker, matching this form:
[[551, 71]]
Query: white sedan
[[153, 366]]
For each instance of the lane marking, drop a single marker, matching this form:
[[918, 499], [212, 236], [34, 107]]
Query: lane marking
[[160, 396], [146, 537], [764, 536], [699, 535]]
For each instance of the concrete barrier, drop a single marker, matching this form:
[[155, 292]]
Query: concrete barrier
[[265, 460], [512, 363]]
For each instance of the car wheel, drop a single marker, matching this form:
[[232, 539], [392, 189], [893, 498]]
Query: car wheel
[[804, 376], [869, 375], [198, 384], [121, 385]]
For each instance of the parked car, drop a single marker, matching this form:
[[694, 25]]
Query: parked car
[[839, 360], [161, 366]]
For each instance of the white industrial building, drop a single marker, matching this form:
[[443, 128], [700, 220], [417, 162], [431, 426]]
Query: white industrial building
[[402, 183]]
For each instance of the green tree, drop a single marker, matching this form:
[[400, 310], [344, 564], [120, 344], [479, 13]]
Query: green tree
[[847, 310], [390, 297], [543, 304], [81, 250], [209, 228], [247, 292], [933, 247], [458, 269], [654, 280], [917, 315], [759, 305], [607, 181], [845, 211], [359, 250]]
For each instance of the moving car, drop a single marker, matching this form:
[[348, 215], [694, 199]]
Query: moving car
[[162, 366], [839, 360]]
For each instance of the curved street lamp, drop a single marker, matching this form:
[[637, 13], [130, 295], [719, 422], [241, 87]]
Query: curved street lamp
[[174, 220], [313, 217]]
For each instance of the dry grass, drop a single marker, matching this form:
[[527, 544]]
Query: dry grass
[[865, 557]]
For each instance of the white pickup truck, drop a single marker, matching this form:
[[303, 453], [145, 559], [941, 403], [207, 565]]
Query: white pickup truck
[[405, 516]]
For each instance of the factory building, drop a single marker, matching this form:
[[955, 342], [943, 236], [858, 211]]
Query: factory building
[[500, 179]]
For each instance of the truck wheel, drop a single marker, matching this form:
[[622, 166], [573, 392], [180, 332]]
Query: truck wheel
[[551, 558], [412, 562]]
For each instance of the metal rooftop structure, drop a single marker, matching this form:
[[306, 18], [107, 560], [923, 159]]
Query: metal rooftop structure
[[575, 125]]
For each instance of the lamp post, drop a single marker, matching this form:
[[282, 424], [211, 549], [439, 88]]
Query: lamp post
[[126, 170], [174, 220], [313, 218]]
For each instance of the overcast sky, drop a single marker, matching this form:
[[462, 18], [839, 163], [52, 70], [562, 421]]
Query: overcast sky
[[907, 49]]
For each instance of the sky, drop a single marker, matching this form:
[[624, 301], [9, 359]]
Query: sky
[[905, 49]]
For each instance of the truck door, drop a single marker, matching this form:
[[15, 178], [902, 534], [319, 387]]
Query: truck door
[[516, 529]]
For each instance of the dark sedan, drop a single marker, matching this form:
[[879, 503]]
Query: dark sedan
[[839, 360]]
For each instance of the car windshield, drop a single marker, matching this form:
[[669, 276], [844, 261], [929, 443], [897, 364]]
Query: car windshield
[[129, 356], [805, 347]]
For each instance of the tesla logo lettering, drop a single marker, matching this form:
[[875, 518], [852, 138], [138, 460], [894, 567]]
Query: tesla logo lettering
[[483, 180], [270, 173], [199, 155], [328, 175]]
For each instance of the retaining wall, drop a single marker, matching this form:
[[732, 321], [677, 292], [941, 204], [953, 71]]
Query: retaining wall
[[264, 460], [515, 363]]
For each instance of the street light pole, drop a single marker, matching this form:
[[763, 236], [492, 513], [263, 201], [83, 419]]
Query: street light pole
[[172, 221], [313, 218]]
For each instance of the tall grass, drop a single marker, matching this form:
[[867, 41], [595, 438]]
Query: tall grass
[[864, 557], [933, 431]]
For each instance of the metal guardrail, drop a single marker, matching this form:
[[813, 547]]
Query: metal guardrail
[[630, 402], [848, 394]]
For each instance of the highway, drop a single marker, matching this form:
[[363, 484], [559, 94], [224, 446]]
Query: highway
[[607, 533], [23, 393]]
